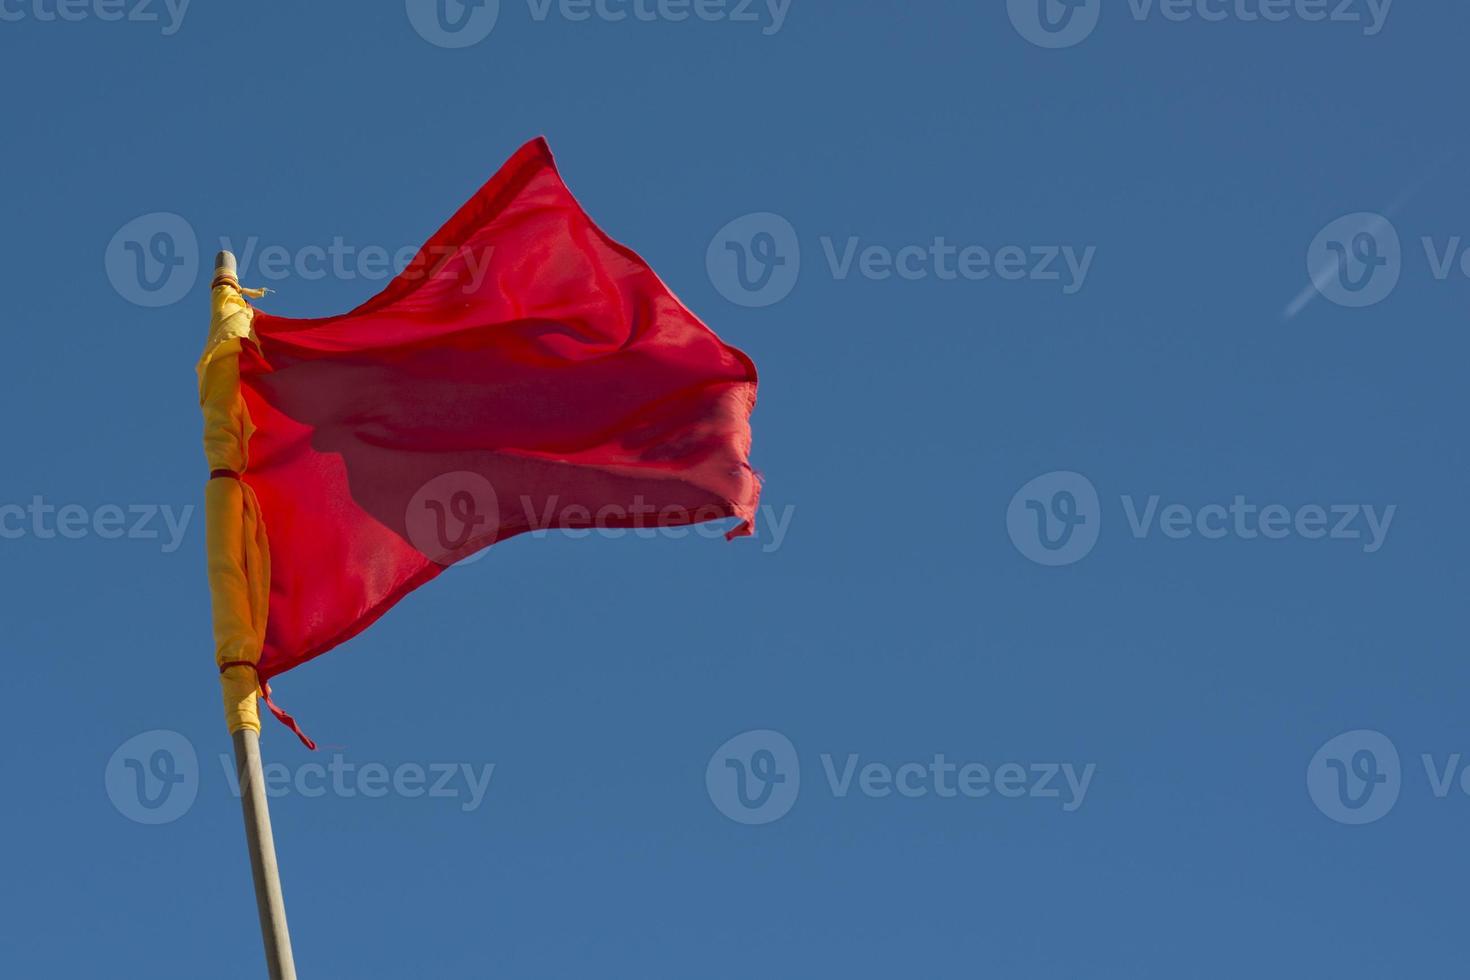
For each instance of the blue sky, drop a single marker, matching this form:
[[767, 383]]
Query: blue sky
[[1107, 615]]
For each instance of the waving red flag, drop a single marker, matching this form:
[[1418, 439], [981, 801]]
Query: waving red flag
[[524, 372]]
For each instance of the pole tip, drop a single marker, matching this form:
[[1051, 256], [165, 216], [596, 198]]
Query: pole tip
[[224, 262]]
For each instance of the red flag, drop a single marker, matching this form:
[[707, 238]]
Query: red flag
[[524, 372]]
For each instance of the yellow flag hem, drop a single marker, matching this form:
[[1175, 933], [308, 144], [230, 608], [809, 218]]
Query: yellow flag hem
[[237, 551]]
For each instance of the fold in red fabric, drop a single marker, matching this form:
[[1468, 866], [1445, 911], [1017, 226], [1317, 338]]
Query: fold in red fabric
[[524, 372]]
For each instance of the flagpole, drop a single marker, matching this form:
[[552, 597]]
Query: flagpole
[[268, 898], [269, 901]]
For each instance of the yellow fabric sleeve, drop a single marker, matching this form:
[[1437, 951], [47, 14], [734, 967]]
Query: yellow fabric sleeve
[[238, 555]]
